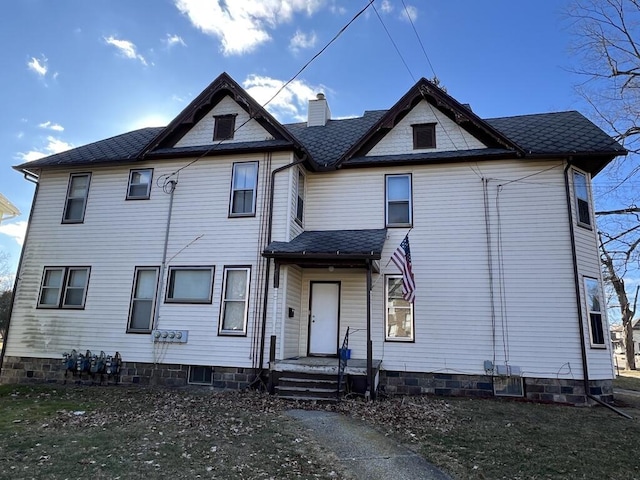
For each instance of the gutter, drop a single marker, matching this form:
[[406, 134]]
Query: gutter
[[265, 300], [576, 278], [33, 179]]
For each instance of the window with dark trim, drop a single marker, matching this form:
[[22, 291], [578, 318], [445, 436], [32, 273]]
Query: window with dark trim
[[300, 197], [581, 192], [398, 208], [143, 299], [64, 287], [593, 293], [424, 136], [200, 375], [139, 184], [243, 189], [76, 202], [223, 127], [189, 285], [235, 301], [399, 312]]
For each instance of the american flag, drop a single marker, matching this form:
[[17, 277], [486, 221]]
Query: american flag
[[402, 258]]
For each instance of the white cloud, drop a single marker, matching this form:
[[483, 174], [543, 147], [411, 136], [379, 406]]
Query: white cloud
[[290, 104], [54, 145], [386, 6], [411, 12], [173, 40], [302, 40], [242, 26], [126, 48], [15, 230], [38, 66], [52, 126]]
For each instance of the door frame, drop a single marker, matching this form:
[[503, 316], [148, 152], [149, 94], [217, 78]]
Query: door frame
[[311, 283]]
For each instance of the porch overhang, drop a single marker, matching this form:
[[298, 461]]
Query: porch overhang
[[337, 248]]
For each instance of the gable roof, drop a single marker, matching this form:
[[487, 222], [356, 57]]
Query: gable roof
[[220, 88], [345, 142], [457, 112]]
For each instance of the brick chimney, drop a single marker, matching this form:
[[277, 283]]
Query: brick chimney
[[318, 112]]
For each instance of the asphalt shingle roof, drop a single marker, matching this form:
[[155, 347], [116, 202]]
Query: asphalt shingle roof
[[540, 134], [328, 143], [341, 243], [124, 147], [559, 132]]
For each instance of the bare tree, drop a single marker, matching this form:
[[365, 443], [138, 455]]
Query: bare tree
[[607, 49], [5, 293]]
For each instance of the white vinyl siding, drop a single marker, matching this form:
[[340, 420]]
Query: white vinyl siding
[[202, 132], [201, 234], [76, 201], [143, 297], [449, 135]]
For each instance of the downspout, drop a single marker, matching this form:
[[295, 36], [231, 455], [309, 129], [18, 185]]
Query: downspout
[[265, 301], [34, 179], [163, 266], [576, 279]]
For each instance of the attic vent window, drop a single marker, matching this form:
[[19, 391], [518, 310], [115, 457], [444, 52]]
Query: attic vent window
[[424, 136], [223, 127]]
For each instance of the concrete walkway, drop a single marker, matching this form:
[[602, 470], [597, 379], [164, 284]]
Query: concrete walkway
[[366, 453]]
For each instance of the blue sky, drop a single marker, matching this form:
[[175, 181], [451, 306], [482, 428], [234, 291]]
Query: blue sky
[[76, 71]]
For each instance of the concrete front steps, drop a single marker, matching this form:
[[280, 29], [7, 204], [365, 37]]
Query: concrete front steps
[[308, 386]]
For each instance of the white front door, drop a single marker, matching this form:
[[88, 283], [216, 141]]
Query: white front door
[[323, 326]]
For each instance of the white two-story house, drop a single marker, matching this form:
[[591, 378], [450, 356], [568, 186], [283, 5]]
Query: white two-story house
[[228, 249]]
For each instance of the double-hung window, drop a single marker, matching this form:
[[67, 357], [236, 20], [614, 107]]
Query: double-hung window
[[143, 299], [594, 311], [581, 192], [64, 287], [235, 301], [243, 189], [399, 312], [139, 184], [300, 203], [77, 193], [398, 200], [190, 285]]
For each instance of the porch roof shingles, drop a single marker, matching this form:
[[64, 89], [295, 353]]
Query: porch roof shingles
[[327, 244]]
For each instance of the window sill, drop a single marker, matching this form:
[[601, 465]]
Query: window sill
[[400, 340], [188, 301], [138, 332], [586, 226], [72, 221], [399, 225], [242, 215], [232, 333], [598, 347], [139, 198]]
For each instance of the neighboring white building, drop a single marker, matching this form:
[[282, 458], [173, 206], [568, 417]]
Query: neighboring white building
[[7, 209], [193, 249]]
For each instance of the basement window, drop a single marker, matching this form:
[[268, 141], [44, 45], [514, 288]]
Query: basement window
[[223, 127], [200, 375], [424, 136], [508, 387]]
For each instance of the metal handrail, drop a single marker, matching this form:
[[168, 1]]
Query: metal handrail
[[342, 361]]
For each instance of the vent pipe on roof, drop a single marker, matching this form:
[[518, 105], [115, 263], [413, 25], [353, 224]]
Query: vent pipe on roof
[[318, 112]]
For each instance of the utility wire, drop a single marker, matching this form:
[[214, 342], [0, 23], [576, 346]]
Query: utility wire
[[419, 40], [392, 41], [284, 85]]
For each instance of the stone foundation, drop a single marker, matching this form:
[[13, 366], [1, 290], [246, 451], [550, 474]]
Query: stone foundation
[[535, 389], [43, 370], [46, 370]]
